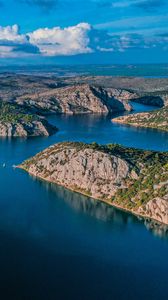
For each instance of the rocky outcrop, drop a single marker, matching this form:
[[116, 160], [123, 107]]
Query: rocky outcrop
[[130, 179], [87, 170], [76, 99], [26, 129], [15, 121], [156, 209]]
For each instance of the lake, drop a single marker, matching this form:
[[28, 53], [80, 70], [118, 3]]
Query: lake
[[57, 244]]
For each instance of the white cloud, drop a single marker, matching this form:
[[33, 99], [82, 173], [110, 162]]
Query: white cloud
[[11, 33], [73, 40], [56, 41], [14, 44]]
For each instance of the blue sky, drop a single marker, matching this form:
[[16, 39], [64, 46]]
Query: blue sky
[[83, 31]]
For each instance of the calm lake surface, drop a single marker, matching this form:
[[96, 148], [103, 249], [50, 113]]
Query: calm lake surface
[[56, 244]]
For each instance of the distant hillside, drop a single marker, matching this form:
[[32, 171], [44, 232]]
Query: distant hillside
[[82, 98]]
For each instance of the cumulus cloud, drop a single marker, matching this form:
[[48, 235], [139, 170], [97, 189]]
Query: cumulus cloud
[[73, 40], [12, 43], [56, 41], [11, 33]]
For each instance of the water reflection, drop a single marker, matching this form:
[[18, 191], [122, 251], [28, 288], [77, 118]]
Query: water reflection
[[158, 229], [101, 211]]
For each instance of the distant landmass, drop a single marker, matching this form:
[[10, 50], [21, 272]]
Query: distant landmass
[[135, 70]]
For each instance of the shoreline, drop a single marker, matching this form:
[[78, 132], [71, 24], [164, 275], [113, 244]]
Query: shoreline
[[122, 122], [147, 120], [126, 210]]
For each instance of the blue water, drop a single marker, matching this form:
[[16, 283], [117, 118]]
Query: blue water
[[56, 244]]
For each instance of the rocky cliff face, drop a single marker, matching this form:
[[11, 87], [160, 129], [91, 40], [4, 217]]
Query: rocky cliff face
[[90, 171], [76, 99], [26, 129], [156, 209], [149, 91], [131, 179]]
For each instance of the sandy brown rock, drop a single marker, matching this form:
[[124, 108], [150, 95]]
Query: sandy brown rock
[[76, 99], [92, 172], [156, 209], [22, 129]]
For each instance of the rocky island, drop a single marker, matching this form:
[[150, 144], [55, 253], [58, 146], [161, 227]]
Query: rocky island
[[15, 122], [157, 119], [127, 178]]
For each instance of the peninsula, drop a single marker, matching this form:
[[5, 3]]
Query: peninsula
[[127, 178], [157, 119]]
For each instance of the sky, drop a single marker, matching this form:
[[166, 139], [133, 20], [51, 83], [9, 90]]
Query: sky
[[83, 31]]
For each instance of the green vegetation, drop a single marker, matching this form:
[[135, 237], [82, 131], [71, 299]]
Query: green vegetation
[[152, 183], [136, 157], [157, 119], [13, 114], [151, 168]]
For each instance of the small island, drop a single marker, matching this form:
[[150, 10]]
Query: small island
[[130, 179], [157, 119], [16, 122]]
